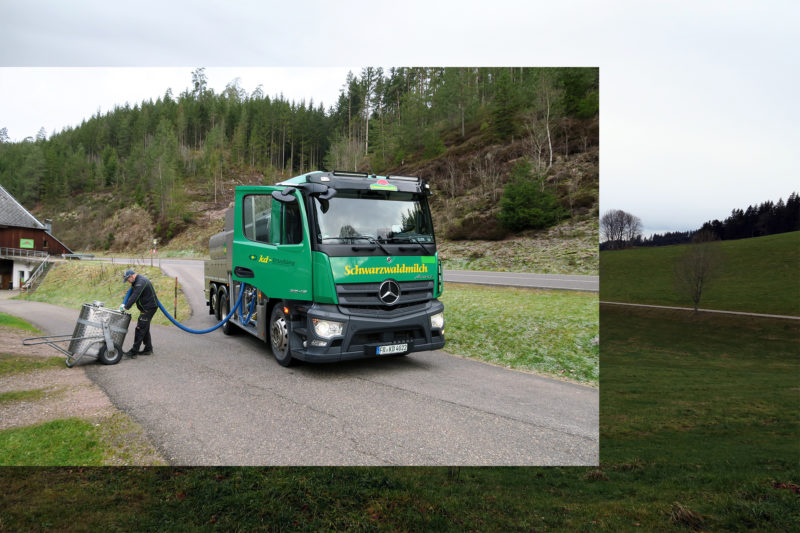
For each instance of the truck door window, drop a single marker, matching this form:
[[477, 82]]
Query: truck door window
[[292, 224], [257, 214]]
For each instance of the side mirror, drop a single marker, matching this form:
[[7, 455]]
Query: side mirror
[[285, 196], [320, 190], [327, 195]]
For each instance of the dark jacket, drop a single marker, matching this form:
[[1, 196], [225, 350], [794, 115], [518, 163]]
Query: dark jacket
[[143, 294]]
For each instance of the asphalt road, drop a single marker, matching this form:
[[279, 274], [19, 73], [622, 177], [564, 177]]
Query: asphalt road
[[218, 400]]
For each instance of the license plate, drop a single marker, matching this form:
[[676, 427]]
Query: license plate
[[392, 348]]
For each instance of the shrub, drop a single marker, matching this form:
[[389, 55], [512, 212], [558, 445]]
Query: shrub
[[527, 203], [476, 227]]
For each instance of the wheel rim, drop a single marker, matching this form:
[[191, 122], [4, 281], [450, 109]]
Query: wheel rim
[[279, 334]]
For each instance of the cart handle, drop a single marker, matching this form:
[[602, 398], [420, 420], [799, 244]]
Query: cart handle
[[30, 341]]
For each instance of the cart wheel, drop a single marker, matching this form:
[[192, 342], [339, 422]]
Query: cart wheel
[[109, 357]]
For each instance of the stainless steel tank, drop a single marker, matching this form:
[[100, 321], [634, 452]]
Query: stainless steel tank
[[90, 324]]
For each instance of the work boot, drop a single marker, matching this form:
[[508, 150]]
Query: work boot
[[131, 353], [146, 351]]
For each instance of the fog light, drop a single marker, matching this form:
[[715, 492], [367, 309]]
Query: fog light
[[327, 328], [319, 343], [437, 321]]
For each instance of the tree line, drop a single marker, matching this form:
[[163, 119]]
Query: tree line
[[766, 218], [146, 153]]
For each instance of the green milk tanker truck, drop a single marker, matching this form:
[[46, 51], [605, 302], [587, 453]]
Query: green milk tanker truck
[[331, 266]]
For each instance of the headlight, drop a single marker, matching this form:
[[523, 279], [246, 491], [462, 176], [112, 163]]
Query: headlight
[[326, 328], [437, 321]]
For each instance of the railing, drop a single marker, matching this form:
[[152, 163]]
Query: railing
[[39, 272], [27, 254]]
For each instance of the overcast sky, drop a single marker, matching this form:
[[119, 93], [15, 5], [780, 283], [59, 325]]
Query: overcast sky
[[698, 107]]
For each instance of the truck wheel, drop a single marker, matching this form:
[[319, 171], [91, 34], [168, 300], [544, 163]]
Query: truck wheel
[[109, 357], [224, 306], [279, 336], [212, 302]]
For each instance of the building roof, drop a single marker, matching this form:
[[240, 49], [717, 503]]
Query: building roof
[[13, 214]]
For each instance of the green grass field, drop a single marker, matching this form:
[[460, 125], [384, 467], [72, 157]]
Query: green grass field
[[699, 431], [759, 275], [548, 332], [74, 283]]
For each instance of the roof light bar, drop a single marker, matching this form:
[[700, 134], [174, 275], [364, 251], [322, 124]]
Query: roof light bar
[[404, 178]]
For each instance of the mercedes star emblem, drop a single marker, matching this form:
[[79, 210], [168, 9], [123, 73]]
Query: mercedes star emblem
[[389, 292]]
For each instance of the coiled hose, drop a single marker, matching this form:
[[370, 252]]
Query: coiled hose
[[202, 331]]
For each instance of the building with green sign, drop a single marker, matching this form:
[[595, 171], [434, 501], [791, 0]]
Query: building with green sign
[[25, 243]]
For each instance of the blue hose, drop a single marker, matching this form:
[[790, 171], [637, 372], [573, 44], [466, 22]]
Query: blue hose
[[201, 331]]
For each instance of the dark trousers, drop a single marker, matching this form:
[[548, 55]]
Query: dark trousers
[[143, 331]]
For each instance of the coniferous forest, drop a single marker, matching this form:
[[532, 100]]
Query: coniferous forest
[[469, 131], [766, 218]]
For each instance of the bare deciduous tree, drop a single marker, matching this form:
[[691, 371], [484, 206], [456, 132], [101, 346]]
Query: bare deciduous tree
[[572, 190], [452, 174], [619, 227], [489, 173], [697, 266]]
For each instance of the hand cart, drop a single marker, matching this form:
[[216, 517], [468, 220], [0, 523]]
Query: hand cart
[[99, 333]]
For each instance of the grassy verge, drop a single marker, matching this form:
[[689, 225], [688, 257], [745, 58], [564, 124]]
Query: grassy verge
[[549, 332], [74, 283], [699, 431], [70, 441], [12, 363], [756, 275], [12, 321], [22, 395]]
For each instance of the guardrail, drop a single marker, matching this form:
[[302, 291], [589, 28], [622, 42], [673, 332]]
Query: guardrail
[[27, 254]]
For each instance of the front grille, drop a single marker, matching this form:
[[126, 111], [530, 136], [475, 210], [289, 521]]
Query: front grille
[[362, 298]]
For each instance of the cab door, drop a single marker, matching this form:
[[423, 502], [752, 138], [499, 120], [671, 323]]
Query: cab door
[[271, 247]]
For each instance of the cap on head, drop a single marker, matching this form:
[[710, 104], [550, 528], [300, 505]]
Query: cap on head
[[127, 274]]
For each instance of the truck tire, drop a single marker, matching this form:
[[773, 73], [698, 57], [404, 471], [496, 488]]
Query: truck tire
[[212, 301], [224, 307], [279, 336], [109, 358]]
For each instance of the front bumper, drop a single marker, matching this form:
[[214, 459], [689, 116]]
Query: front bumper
[[363, 334]]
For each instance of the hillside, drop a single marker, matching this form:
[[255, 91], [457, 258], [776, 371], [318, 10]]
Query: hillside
[[570, 247], [756, 275]]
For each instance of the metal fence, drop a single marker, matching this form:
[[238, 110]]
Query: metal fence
[[23, 254]]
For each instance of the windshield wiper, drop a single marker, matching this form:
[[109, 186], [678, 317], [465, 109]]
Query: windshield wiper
[[420, 243], [363, 237], [415, 240], [373, 241]]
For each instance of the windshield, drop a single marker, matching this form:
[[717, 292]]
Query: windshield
[[373, 215]]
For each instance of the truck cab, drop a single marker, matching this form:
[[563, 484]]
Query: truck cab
[[332, 266]]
